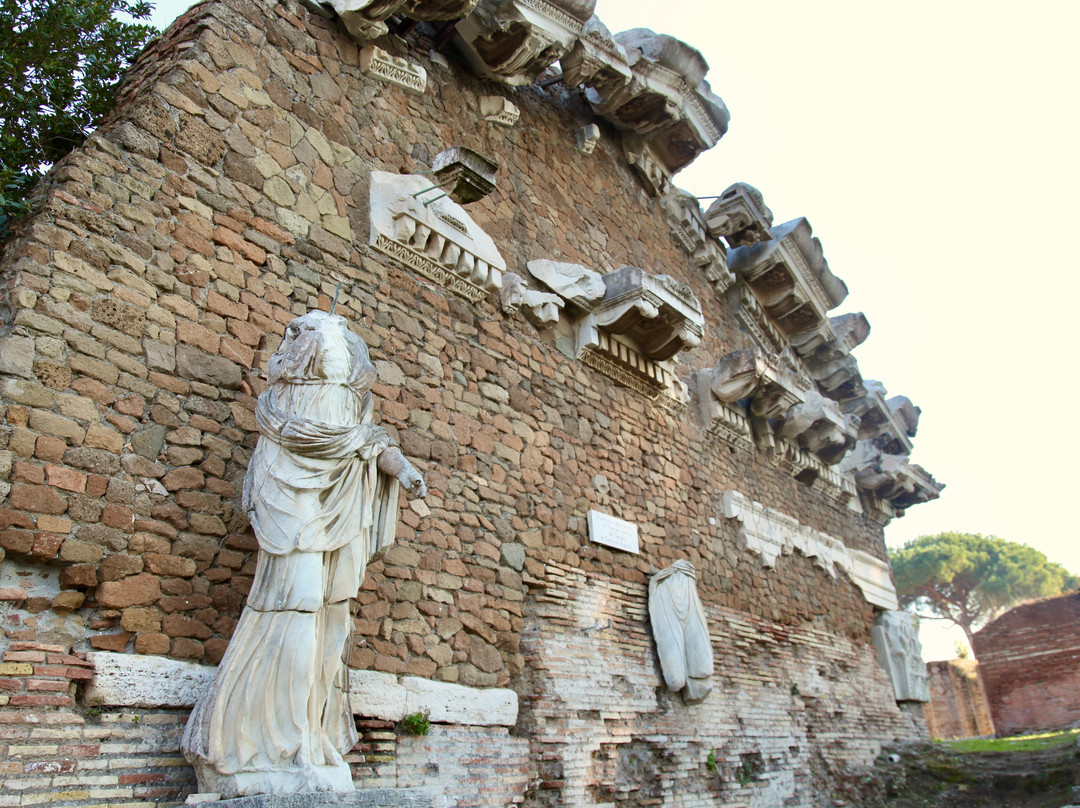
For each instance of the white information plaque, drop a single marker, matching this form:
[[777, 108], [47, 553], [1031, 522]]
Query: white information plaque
[[613, 532]]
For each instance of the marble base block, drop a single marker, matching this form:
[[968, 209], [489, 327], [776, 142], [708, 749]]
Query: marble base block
[[366, 798]]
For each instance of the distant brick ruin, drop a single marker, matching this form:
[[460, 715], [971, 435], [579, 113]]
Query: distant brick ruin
[[596, 377], [957, 706], [1029, 662]]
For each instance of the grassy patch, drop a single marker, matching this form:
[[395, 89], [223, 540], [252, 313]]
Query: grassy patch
[[1019, 743]]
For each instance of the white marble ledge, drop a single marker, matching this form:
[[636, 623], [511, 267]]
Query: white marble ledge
[[137, 680]]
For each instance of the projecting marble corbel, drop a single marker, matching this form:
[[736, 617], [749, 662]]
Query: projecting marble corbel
[[790, 278], [891, 423], [771, 384], [740, 216], [514, 41], [826, 354], [681, 632], [667, 110], [896, 645], [819, 426], [641, 323]]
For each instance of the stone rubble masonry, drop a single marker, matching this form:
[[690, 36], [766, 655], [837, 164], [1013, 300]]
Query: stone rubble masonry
[[957, 706], [1029, 662], [139, 304]]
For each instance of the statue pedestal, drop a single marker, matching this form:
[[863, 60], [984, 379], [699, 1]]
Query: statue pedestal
[[366, 798]]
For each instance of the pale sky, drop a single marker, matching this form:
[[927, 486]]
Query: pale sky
[[931, 145]]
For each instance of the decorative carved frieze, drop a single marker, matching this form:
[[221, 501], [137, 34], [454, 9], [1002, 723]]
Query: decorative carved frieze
[[379, 64], [789, 276], [499, 110], [437, 239], [514, 41], [896, 645], [740, 216], [770, 534]]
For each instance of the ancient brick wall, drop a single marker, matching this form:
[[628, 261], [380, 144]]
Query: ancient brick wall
[[1029, 661], [957, 706], [227, 194]]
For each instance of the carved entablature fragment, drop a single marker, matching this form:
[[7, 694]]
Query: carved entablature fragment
[[597, 61], [826, 354], [754, 320], [896, 645], [667, 109], [772, 385], [891, 478], [740, 216], [438, 239], [687, 225], [514, 41], [587, 137], [634, 332], [575, 283], [789, 277], [890, 423], [819, 426], [365, 19]]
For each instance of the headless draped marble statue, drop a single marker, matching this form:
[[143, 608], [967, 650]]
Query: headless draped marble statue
[[681, 631], [322, 495]]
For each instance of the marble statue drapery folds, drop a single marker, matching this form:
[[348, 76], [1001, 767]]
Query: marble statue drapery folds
[[321, 493], [681, 631]]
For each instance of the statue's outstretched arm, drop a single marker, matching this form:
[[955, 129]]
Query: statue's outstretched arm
[[393, 463]]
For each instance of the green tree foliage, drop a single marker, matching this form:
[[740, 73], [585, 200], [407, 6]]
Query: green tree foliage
[[60, 61], [971, 579]]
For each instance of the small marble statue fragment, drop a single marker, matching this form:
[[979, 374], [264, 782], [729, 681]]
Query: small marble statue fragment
[[322, 495], [681, 631]]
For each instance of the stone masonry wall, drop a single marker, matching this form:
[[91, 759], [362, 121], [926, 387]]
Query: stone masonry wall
[[957, 706], [1029, 661], [228, 194]]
